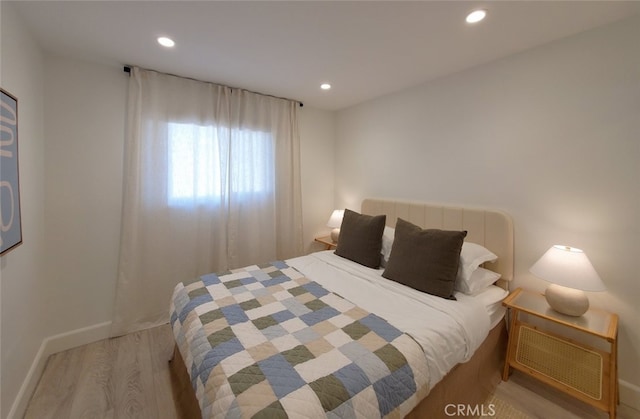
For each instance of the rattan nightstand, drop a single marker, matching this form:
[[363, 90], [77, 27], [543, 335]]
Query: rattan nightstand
[[577, 355]]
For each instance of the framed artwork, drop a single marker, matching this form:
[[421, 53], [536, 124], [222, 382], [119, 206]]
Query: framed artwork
[[10, 220]]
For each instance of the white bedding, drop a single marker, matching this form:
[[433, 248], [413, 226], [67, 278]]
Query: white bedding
[[491, 298], [448, 331]]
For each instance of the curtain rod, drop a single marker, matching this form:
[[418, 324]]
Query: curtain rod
[[127, 69]]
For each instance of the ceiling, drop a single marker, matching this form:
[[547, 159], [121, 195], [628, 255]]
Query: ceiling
[[364, 49]]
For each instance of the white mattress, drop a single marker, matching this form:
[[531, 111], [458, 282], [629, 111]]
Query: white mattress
[[448, 331]]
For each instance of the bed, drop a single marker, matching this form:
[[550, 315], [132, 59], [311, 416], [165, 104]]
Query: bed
[[340, 307]]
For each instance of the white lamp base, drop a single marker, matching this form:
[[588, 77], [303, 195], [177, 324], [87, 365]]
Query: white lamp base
[[335, 233], [569, 301]]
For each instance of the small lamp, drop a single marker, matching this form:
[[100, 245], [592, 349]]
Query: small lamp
[[335, 221], [571, 274]]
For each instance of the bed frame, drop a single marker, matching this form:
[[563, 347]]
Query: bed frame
[[468, 384]]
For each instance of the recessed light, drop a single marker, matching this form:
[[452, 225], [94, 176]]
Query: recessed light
[[325, 86], [166, 42], [476, 16]]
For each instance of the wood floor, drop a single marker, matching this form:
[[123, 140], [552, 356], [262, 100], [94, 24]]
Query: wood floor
[[125, 377], [542, 402], [129, 377]]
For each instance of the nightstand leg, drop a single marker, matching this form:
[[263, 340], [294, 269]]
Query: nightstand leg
[[614, 392], [505, 372], [512, 342]]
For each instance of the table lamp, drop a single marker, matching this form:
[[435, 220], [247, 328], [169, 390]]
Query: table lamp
[[335, 221], [571, 273]]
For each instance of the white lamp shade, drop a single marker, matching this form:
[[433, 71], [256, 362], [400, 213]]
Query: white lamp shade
[[569, 267], [335, 221]]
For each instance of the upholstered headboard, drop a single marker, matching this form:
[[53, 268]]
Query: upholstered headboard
[[491, 228]]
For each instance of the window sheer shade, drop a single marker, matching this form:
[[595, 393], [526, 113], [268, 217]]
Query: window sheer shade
[[212, 182], [199, 160]]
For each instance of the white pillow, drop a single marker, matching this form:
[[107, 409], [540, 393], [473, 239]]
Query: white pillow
[[473, 255], [387, 241], [479, 280]]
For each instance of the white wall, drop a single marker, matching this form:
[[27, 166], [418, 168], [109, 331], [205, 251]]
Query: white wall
[[22, 270], [551, 135], [317, 143], [84, 120]]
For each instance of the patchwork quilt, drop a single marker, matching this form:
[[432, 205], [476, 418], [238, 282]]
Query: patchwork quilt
[[266, 342]]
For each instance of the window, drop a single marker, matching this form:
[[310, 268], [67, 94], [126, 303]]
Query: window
[[209, 162]]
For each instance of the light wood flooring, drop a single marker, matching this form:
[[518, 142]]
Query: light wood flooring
[[125, 377], [129, 377]]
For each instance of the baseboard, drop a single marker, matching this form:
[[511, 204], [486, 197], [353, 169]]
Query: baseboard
[[629, 394], [50, 346]]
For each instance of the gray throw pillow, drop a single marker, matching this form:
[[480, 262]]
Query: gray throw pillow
[[361, 238], [426, 260]]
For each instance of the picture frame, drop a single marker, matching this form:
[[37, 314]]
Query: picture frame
[[10, 215]]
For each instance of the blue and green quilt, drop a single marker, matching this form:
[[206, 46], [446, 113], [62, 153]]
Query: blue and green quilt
[[266, 342]]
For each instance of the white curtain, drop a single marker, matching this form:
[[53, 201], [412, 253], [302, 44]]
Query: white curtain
[[212, 182]]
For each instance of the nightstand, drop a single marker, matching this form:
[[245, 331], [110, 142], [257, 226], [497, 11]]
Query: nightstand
[[583, 365], [326, 240]]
